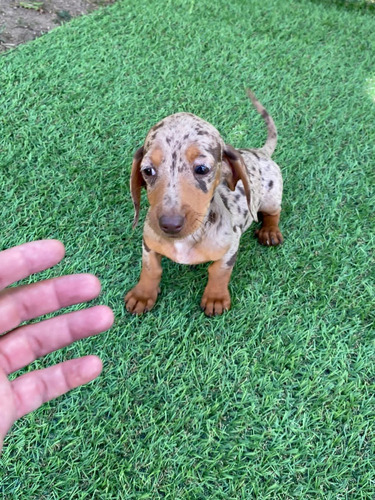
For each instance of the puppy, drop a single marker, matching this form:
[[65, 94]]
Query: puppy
[[203, 194]]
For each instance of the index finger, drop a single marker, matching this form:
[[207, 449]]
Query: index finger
[[19, 262]]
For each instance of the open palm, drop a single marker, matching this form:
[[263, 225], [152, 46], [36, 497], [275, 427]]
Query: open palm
[[23, 344]]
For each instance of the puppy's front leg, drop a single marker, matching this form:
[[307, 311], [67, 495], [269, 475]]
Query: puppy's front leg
[[216, 297], [143, 296]]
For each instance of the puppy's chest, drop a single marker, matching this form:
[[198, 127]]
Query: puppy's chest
[[188, 251], [197, 254]]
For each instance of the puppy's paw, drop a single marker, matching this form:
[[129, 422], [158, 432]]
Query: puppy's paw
[[215, 302], [269, 236], [140, 300]]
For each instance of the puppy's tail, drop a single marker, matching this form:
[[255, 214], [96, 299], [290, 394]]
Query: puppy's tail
[[270, 145]]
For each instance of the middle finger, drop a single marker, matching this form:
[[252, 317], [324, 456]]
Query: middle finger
[[29, 342], [30, 301]]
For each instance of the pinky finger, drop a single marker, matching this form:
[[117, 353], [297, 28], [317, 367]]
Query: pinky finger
[[35, 388]]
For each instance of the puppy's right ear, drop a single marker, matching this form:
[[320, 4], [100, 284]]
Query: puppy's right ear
[[136, 183]]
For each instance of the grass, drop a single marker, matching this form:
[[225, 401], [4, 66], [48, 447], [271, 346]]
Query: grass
[[276, 398]]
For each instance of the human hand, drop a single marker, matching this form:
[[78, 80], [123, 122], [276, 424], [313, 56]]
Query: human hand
[[24, 344]]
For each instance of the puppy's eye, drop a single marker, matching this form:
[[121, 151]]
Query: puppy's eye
[[149, 171], [201, 170]]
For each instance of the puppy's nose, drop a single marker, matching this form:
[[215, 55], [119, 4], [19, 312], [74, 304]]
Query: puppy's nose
[[171, 224]]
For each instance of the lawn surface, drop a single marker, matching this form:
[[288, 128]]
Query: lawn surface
[[275, 399]]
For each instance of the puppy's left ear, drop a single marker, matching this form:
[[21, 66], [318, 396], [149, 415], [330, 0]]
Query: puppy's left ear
[[238, 173], [136, 183]]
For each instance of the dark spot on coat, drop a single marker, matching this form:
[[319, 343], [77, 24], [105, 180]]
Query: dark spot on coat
[[186, 137], [158, 125], [202, 185], [167, 199], [147, 249], [225, 201], [181, 166], [173, 165], [168, 139], [212, 217], [270, 185], [241, 190], [239, 227], [202, 132], [232, 260], [215, 151]]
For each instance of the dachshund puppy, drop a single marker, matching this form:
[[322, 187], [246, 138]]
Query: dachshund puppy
[[203, 194]]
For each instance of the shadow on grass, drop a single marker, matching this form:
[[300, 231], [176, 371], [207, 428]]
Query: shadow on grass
[[353, 5]]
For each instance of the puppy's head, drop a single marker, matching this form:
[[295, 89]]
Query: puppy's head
[[182, 161]]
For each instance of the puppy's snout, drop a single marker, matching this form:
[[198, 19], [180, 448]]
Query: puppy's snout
[[171, 224]]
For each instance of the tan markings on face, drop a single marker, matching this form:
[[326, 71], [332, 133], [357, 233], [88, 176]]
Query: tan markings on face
[[194, 203], [155, 195], [156, 157], [192, 152]]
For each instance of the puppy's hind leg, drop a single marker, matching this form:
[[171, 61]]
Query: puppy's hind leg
[[272, 184], [269, 234]]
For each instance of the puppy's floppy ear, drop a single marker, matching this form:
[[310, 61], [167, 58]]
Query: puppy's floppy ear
[[238, 173], [136, 183]]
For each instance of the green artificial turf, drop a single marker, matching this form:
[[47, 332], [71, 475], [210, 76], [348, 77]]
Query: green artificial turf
[[275, 399]]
